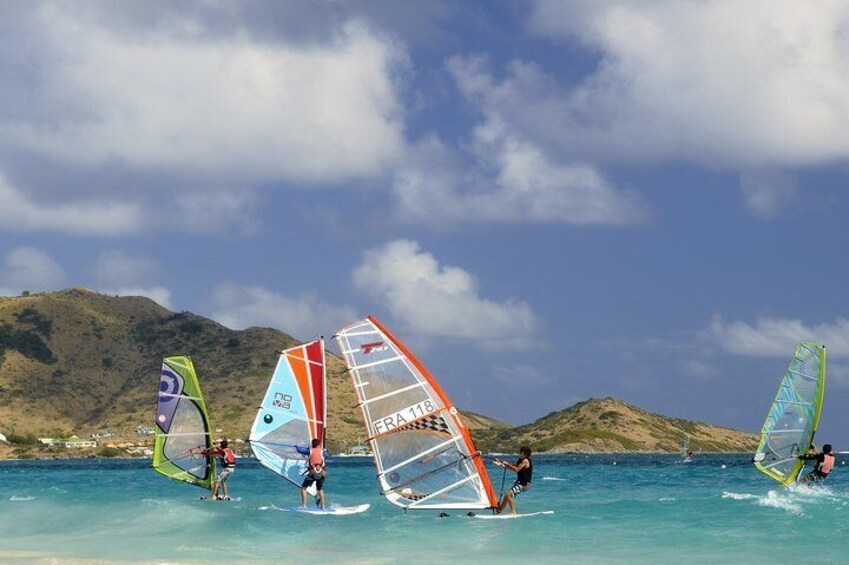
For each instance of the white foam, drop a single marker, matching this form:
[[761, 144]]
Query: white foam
[[14, 498], [738, 496], [774, 499], [553, 479], [667, 499]]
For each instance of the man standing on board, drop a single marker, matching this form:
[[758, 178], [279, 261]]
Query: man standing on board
[[524, 469], [227, 462], [823, 466], [316, 471]]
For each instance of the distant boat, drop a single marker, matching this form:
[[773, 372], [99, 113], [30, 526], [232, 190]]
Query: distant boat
[[357, 451], [792, 420]]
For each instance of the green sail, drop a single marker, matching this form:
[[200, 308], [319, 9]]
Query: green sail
[[182, 426], [794, 415]]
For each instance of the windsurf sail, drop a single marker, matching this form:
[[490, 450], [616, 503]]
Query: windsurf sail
[[793, 418], [293, 412], [424, 454], [182, 426]]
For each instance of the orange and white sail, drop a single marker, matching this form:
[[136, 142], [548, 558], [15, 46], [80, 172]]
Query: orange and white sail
[[424, 454]]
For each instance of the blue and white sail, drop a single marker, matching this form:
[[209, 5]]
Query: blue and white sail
[[293, 412]]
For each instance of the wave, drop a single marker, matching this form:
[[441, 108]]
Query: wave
[[553, 479], [792, 499], [739, 496], [15, 498]]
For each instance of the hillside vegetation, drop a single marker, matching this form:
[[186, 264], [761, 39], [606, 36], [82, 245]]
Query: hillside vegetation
[[77, 362]]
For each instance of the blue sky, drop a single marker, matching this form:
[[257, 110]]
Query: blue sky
[[547, 200]]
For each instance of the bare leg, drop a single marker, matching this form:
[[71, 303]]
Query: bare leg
[[303, 498], [215, 489], [321, 499], [511, 503], [226, 490]]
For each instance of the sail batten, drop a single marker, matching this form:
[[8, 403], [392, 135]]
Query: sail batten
[[425, 456], [793, 418], [293, 412], [182, 426]]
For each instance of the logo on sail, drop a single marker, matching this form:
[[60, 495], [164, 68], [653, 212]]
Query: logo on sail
[[372, 347]]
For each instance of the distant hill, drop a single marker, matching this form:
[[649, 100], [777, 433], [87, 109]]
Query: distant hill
[[611, 425], [77, 362]]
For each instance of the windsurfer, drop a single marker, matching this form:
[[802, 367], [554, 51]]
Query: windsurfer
[[316, 472], [227, 461], [823, 466], [524, 469]]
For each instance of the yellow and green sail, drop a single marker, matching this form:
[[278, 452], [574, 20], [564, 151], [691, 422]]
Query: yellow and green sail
[[182, 426], [794, 415]]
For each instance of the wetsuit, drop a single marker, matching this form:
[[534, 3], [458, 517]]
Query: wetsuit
[[824, 465], [523, 477]]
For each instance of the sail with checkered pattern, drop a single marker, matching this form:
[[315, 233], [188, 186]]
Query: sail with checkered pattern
[[424, 454]]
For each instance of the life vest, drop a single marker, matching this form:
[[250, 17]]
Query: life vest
[[229, 458], [827, 464], [316, 458]]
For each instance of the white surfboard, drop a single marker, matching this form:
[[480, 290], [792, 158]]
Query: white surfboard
[[329, 511], [511, 516]]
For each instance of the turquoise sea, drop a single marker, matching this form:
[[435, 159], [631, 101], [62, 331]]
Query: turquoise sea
[[644, 509]]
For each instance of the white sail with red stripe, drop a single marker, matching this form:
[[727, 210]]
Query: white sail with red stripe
[[424, 454], [293, 412]]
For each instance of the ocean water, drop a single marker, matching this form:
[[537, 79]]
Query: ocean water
[[644, 509]]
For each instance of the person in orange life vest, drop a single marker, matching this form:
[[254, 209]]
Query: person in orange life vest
[[227, 462], [316, 471], [524, 469], [824, 464]]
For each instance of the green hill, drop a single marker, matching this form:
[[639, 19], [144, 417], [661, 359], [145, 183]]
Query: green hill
[[78, 362]]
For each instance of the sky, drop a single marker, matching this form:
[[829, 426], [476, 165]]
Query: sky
[[547, 200]]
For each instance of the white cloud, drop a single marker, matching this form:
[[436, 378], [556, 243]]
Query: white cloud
[[698, 369], [26, 268], [722, 82], [20, 214], [158, 294], [767, 193], [770, 337], [229, 107], [302, 317], [117, 268], [506, 179], [439, 301], [520, 375]]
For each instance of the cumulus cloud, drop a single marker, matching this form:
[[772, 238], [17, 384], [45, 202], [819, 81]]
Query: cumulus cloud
[[26, 268], [766, 193], [119, 268], [158, 294], [724, 82], [433, 300], [506, 179], [224, 107], [20, 214], [771, 337], [523, 375], [304, 316]]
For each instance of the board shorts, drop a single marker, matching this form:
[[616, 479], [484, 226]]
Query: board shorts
[[225, 474], [518, 488], [319, 482]]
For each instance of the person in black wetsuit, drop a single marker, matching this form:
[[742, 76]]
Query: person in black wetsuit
[[823, 466], [524, 469]]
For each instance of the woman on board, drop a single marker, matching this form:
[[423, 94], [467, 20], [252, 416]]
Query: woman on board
[[316, 471], [227, 462], [524, 469], [823, 466]]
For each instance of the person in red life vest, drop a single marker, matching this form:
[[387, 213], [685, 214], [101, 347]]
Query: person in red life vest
[[316, 471], [227, 462], [824, 464], [524, 469]]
